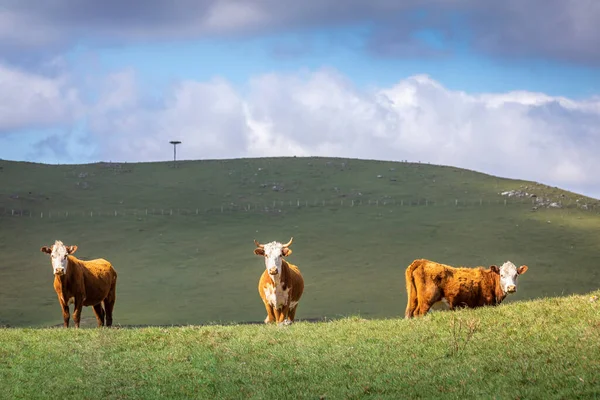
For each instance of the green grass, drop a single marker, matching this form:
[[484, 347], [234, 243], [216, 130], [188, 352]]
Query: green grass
[[542, 349], [190, 268]]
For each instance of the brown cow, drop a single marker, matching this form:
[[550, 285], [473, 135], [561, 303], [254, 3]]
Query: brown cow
[[428, 282], [281, 284], [86, 283]]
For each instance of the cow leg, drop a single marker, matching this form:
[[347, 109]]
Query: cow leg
[[99, 312], [412, 305], [270, 313], [109, 303], [277, 313], [66, 314], [426, 301], [77, 311], [293, 312], [284, 315]]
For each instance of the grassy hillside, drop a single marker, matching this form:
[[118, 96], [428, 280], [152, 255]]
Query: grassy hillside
[[356, 226], [543, 349]]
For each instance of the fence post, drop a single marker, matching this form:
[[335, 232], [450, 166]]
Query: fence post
[[115, 213], [504, 201], [456, 202], [41, 215], [67, 214], [352, 202]]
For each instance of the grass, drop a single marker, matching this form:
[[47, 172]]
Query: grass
[[190, 268], [541, 349]]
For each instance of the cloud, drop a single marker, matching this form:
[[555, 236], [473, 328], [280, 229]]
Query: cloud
[[525, 135], [35, 101], [207, 116], [558, 29], [562, 29]]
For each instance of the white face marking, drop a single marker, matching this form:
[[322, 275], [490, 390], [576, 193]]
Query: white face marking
[[273, 253], [59, 258], [508, 277]]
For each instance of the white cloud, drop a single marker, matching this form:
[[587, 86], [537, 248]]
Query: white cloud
[[207, 116], [519, 134], [33, 101], [533, 136]]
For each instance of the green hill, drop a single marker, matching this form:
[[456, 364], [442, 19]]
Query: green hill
[[181, 238]]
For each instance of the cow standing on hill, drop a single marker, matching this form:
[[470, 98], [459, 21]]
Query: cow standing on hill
[[85, 283], [428, 282], [281, 284]]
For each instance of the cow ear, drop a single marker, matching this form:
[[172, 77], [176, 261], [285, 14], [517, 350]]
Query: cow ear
[[495, 269], [46, 250], [286, 252], [259, 251], [71, 249], [522, 269]]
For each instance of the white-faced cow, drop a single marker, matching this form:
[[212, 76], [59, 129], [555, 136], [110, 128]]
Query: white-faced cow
[[85, 283], [281, 284], [429, 282]]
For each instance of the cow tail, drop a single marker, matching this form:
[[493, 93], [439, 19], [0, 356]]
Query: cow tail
[[411, 289]]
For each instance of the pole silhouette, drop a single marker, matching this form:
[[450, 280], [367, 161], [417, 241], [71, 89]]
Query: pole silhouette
[[174, 143]]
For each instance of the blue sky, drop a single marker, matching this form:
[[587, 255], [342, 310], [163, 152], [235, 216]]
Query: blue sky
[[509, 88]]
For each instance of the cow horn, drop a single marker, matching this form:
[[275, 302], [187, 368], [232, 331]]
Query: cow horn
[[288, 243], [262, 246]]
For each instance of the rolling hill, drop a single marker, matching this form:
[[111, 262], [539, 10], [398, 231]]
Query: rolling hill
[[181, 237]]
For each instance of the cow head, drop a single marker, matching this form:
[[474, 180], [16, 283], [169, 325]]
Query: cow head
[[273, 252], [508, 275], [58, 255]]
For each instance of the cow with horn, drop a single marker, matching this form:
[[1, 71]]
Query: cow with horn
[[281, 284]]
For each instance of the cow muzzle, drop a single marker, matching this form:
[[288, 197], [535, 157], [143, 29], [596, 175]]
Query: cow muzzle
[[273, 271], [59, 271], [511, 289]]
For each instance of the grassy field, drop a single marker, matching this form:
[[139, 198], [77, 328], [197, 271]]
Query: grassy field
[[197, 265], [543, 349]]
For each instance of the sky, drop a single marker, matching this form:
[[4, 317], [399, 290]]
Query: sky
[[509, 88]]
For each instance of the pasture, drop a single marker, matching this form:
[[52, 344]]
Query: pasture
[[356, 225], [541, 349]]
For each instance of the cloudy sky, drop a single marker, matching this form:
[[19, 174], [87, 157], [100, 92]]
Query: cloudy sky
[[510, 87]]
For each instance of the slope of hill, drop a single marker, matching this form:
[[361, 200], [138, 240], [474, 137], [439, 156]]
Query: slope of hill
[[182, 238], [543, 349]]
